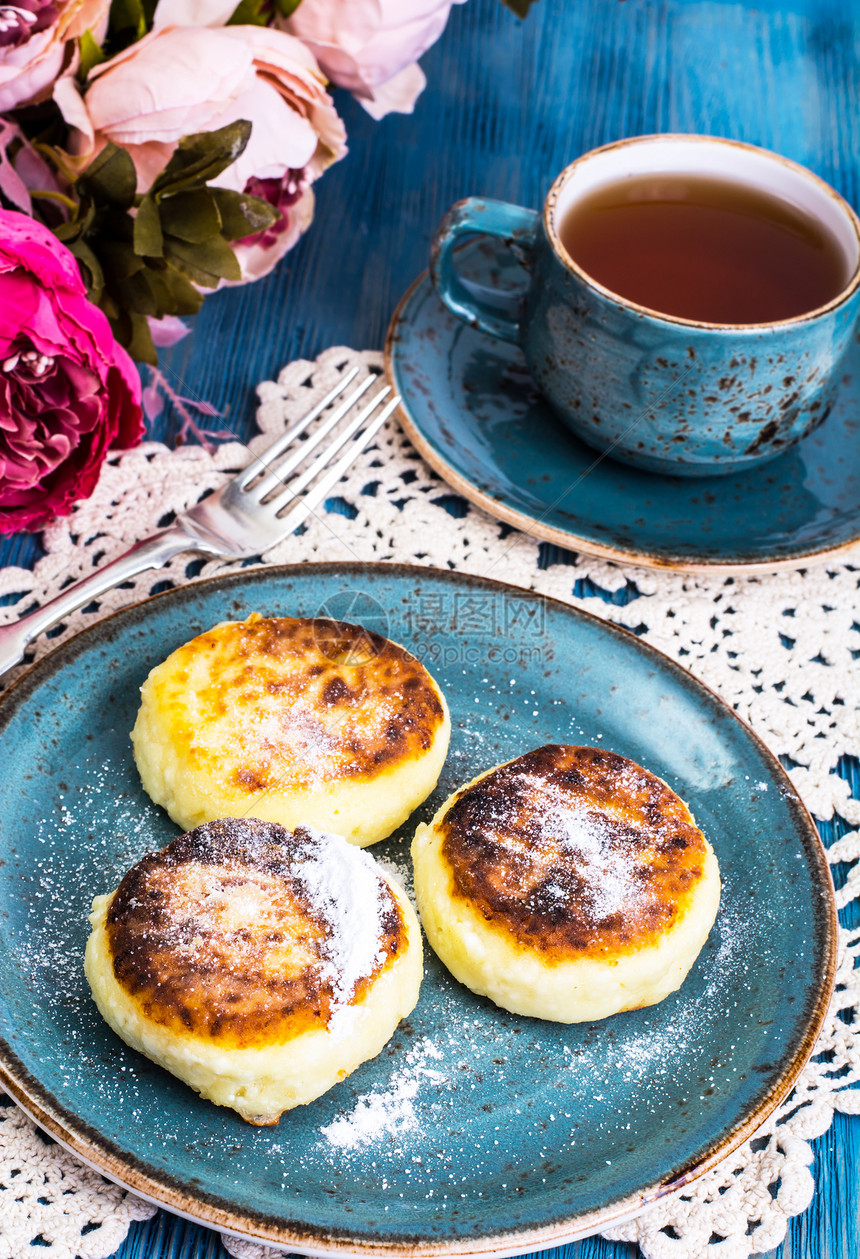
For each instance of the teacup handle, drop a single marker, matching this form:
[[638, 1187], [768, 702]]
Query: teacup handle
[[497, 314]]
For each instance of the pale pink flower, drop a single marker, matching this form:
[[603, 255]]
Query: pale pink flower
[[193, 13], [179, 80], [167, 331], [22, 169], [371, 47], [37, 42]]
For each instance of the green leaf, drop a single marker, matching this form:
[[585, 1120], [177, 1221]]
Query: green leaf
[[129, 21], [158, 291], [241, 214], [151, 254], [192, 216], [204, 264], [200, 157], [91, 54], [69, 231], [187, 300], [148, 239], [140, 344], [116, 224], [136, 295], [154, 293], [128, 15], [110, 178], [250, 13], [118, 259], [286, 7], [91, 270], [120, 323], [520, 7]]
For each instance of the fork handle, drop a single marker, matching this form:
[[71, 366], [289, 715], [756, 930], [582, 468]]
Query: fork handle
[[153, 552]]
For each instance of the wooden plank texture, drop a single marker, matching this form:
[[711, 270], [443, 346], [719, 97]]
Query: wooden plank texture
[[507, 106]]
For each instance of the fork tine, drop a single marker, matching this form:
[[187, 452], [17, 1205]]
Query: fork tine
[[312, 499], [323, 460], [261, 462], [277, 476]]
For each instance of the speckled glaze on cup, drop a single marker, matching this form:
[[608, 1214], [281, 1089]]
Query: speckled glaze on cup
[[670, 395]]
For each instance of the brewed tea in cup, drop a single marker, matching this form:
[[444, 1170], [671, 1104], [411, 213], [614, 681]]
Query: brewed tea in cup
[[703, 248], [690, 298]]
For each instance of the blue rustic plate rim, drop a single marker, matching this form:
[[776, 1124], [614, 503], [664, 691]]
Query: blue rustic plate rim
[[195, 1203]]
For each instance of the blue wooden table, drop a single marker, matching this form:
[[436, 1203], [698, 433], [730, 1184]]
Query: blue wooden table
[[507, 106]]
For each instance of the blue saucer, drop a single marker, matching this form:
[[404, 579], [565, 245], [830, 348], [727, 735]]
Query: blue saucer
[[494, 1134], [472, 411]]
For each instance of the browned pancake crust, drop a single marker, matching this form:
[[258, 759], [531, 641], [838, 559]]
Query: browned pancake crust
[[184, 946], [619, 885], [353, 703]]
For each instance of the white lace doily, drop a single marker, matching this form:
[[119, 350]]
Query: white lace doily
[[781, 649]]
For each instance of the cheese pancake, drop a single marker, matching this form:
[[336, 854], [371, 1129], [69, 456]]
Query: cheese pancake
[[295, 721], [568, 884], [260, 967]]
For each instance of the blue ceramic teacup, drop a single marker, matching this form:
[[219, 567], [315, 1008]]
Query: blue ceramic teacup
[[664, 393]]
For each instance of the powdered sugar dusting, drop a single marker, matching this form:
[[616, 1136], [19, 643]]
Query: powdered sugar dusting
[[578, 839], [564, 856], [401, 874], [226, 898], [294, 744], [374, 1115], [390, 1111], [345, 888], [317, 700], [585, 839], [466, 1104], [302, 743]]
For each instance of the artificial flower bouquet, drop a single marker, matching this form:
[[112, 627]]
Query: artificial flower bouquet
[[152, 151]]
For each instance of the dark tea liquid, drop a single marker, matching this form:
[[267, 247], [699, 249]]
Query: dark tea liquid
[[704, 248]]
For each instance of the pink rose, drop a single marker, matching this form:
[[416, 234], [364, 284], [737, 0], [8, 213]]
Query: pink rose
[[183, 79], [67, 391], [371, 47], [37, 44], [26, 170]]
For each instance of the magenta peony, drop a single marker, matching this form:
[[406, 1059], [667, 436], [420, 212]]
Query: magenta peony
[[371, 47], [68, 392], [183, 79], [37, 42]]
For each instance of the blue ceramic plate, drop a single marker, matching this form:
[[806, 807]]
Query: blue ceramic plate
[[475, 1130], [471, 409]]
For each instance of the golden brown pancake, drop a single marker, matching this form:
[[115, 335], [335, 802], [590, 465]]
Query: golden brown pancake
[[570, 883], [292, 720], [258, 965]]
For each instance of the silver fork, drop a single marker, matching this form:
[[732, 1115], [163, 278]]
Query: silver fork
[[247, 516]]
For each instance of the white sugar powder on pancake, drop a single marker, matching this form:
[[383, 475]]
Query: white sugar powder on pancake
[[258, 965], [342, 883], [584, 838], [568, 884], [345, 889], [587, 839], [291, 720], [302, 742]]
